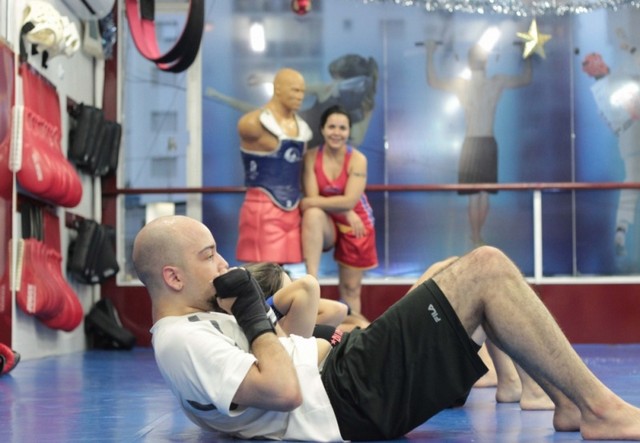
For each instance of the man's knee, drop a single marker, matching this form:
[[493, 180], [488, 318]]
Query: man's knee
[[440, 265], [492, 263], [489, 255]]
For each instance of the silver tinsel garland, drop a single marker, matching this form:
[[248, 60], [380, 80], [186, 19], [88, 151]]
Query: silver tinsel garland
[[520, 8]]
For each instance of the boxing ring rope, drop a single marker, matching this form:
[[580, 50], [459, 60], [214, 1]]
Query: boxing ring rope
[[537, 189]]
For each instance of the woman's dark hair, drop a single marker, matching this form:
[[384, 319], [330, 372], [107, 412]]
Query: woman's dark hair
[[335, 109], [268, 275]]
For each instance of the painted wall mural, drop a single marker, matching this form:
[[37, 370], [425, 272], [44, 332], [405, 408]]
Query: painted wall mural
[[448, 98]]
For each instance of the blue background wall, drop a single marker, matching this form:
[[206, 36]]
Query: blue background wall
[[547, 131]]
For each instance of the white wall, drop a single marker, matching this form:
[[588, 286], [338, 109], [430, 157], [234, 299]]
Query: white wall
[[73, 77]]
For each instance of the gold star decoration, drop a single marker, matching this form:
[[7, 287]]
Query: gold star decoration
[[533, 41]]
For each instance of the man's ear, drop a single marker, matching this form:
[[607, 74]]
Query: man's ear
[[172, 277]]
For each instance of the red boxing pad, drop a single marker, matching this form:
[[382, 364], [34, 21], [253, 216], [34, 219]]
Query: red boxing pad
[[8, 359], [70, 314], [34, 294], [6, 103], [45, 171], [6, 178], [35, 175]]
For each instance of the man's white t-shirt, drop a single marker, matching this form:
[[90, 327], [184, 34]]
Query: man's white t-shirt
[[204, 358]]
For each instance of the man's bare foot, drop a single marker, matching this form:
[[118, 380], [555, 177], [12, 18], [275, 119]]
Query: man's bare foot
[[536, 401], [509, 389], [488, 380], [616, 421], [533, 396], [566, 418]]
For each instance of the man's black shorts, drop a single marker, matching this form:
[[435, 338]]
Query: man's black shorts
[[412, 362], [478, 162]]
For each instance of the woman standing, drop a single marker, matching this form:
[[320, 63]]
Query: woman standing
[[336, 212]]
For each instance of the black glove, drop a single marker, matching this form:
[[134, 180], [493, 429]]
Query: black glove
[[249, 308], [273, 317]]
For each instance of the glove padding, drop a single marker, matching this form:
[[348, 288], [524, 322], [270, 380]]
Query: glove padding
[[249, 309], [230, 289], [8, 359]]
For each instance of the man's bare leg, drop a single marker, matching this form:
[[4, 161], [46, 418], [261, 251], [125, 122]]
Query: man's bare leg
[[490, 379], [509, 387], [486, 288], [515, 385], [566, 416], [512, 382], [433, 270], [533, 397]]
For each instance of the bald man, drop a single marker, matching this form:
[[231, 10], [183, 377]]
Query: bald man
[[272, 142], [233, 374]]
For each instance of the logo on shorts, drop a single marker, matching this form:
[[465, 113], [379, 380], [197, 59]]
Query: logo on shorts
[[434, 313], [336, 337]]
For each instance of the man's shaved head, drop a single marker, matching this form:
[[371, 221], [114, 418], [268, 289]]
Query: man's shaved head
[[161, 242]]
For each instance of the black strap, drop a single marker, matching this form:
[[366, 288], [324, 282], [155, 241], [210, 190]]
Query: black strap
[[141, 15], [26, 28], [88, 6]]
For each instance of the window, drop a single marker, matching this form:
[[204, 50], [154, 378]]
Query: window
[[166, 167], [164, 121]]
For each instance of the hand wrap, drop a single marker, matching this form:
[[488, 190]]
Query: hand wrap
[[332, 334], [249, 309]]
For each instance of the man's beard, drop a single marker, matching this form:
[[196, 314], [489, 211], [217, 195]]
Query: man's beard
[[213, 304]]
